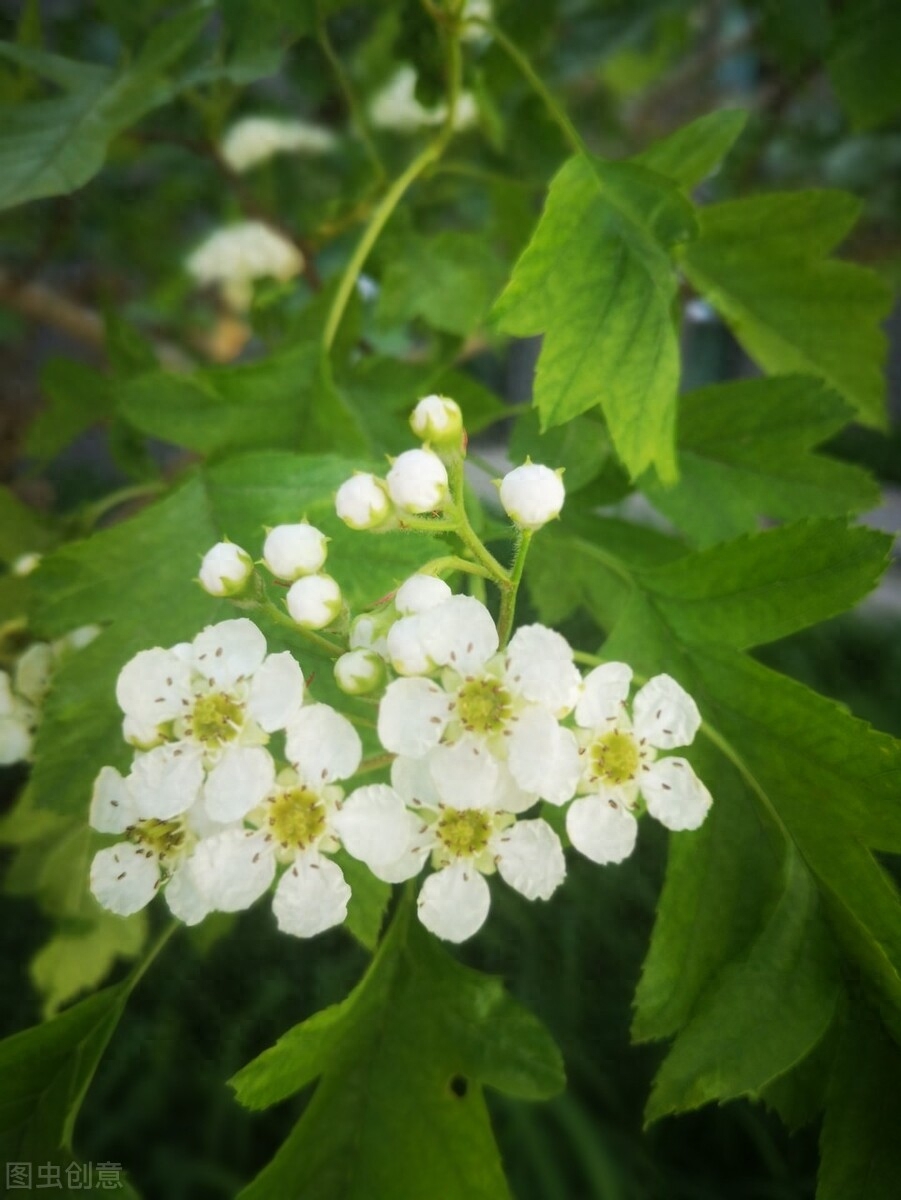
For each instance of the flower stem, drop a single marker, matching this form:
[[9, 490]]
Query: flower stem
[[452, 562], [323, 644], [509, 593], [350, 98]]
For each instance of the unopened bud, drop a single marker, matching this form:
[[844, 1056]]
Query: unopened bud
[[314, 601], [294, 550], [420, 593], [225, 569], [417, 481], [532, 495], [362, 502], [437, 419], [359, 672]]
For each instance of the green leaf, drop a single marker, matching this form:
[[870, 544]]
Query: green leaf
[[598, 281], [449, 280], [51, 147], [736, 857], [368, 900], [863, 65], [78, 958], [861, 1155], [764, 586], [761, 263], [399, 1108], [581, 447], [746, 451], [78, 398], [139, 579], [45, 1072], [694, 151], [22, 530], [766, 1012]]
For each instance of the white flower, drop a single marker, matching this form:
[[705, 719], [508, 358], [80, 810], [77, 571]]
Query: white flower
[[362, 502], [235, 256], [620, 762], [253, 140], [437, 419], [225, 569], [417, 481], [532, 495], [314, 601], [476, 10], [125, 877], [301, 821], [420, 593], [359, 672], [206, 709], [18, 720], [26, 563], [395, 106], [505, 706], [465, 843], [293, 550]]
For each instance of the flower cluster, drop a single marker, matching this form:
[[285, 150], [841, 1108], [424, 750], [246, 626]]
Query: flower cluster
[[233, 257], [240, 778], [254, 140]]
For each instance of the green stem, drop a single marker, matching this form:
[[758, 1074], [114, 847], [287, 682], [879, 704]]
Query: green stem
[[376, 763], [464, 529], [89, 516], [147, 961], [350, 98], [508, 593], [389, 202], [452, 562], [537, 84], [332, 649]]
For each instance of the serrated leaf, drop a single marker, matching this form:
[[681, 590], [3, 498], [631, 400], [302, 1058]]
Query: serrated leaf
[[139, 579], [51, 147], [449, 280], [765, 1013], [598, 281], [694, 151], [764, 586], [22, 530], [368, 902], [862, 65], [403, 1060], [78, 958], [761, 262], [746, 451], [861, 1154], [78, 397]]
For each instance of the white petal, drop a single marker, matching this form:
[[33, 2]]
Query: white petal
[[311, 896], [601, 829], [6, 695], [240, 780], [413, 782], [420, 593], [465, 774], [276, 692], [454, 903], [34, 670], [373, 824], [406, 650], [420, 843], [112, 808], [675, 795], [665, 714], [15, 740], [166, 780], [152, 686], [540, 667], [509, 797], [543, 757], [323, 745], [459, 633], [123, 879], [183, 897], [530, 858], [413, 715], [229, 651], [233, 868], [603, 694]]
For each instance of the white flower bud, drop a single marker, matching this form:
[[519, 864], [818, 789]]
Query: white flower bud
[[314, 601], [359, 671], [362, 502], [417, 481], [406, 650], [420, 593], [26, 563], [293, 550], [532, 495], [437, 419], [225, 569], [369, 632]]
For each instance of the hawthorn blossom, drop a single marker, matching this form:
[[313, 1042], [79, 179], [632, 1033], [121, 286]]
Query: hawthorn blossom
[[202, 713], [620, 763], [487, 709], [234, 256], [301, 821], [395, 106], [467, 841], [253, 140], [125, 877]]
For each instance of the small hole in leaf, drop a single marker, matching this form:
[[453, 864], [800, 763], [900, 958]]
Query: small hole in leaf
[[459, 1085]]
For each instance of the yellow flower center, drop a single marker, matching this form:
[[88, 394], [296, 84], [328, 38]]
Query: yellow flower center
[[162, 838], [483, 705], [297, 817], [615, 758], [216, 719], [464, 832]]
